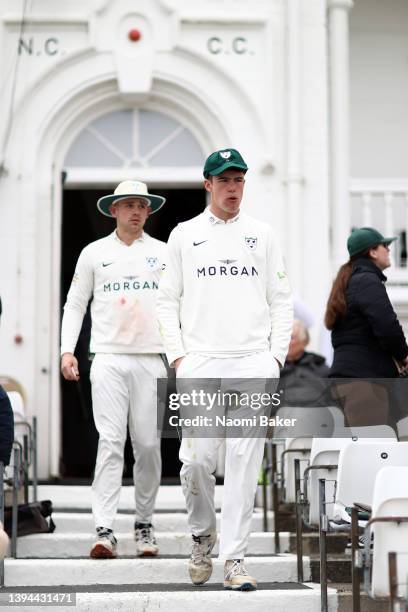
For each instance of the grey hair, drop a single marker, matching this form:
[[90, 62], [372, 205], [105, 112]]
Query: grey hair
[[303, 331]]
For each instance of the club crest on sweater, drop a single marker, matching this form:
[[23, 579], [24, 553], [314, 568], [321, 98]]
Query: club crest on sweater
[[251, 242], [152, 263]]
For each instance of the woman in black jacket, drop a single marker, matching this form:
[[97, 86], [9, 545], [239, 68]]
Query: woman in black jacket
[[367, 339]]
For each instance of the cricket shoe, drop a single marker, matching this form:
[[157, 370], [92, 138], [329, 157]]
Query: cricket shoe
[[146, 545], [200, 564], [236, 577], [105, 545]]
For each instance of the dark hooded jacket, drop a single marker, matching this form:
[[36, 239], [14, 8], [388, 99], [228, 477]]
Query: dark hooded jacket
[[370, 336], [303, 381], [6, 427], [6, 423]]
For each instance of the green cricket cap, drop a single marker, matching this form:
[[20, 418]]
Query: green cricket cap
[[219, 161], [364, 238]]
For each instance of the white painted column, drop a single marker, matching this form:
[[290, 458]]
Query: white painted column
[[339, 126], [367, 212], [294, 178], [389, 223]]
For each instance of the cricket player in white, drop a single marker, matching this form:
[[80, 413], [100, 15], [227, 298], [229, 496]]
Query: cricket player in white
[[225, 310], [121, 273]]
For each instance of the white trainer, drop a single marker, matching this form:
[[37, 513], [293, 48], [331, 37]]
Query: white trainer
[[105, 545], [200, 564], [236, 576], [146, 545]]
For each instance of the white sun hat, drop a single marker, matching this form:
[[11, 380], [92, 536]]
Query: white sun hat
[[130, 189]]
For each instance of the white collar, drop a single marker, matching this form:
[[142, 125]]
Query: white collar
[[141, 238], [213, 219]]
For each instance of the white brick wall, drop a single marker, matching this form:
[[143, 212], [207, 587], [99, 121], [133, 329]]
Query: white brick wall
[[236, 99]]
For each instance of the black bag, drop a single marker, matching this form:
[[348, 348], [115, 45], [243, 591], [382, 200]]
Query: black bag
[[31, 518]]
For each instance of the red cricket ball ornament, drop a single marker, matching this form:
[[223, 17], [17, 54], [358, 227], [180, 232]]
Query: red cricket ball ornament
[[134, 35]]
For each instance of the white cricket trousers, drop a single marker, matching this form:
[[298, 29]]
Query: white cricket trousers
[[124, 391], [243, 459]]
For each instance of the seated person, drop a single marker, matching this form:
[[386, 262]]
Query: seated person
[[303, 370]]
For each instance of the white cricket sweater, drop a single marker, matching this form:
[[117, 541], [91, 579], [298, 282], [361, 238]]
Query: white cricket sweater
[[123, 280], [224, 290]]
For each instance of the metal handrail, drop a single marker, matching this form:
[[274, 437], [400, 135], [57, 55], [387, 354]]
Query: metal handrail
[[323, 528], [30, 432], [29, 457], [274, 481], [393, 582], [14, 510], [355, 561], [275, 498], [366, 555], [301, 503], [328, 466], [291, 450], [299, 535]]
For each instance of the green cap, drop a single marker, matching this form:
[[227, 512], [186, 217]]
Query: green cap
[[219, 161], [364, 238]]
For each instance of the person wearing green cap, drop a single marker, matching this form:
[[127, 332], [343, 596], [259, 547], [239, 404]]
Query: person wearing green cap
[[120, 273], [225, 311], [368, 340]]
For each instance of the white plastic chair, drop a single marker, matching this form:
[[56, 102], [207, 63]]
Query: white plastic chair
[[295, 448], [308, 423], [359, 465], [326, 451], [374, 432], [390, 499], [402, 427], [368, 432], [19, 413]]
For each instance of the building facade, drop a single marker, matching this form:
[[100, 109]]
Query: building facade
[[97, 91]]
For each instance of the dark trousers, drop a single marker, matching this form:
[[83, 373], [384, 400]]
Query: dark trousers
[[6, 427]]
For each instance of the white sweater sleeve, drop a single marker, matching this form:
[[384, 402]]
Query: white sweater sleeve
[[279, 297], [169, 299], [78, 297]]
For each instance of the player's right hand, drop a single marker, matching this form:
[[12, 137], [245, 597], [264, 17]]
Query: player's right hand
[[177, 362], [69, 367]]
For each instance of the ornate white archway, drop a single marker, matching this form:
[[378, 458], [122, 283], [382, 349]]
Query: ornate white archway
[[63, 103]]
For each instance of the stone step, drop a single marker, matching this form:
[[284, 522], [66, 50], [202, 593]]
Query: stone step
[[187, 598], [336, 543], [367, 604], [77, 545], [79, 497], [338, 568], [48, 572], [79, 522]]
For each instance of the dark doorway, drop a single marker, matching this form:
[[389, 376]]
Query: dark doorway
[[81, 224]]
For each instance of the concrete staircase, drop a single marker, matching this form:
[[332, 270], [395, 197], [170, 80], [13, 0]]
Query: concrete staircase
[[60, 563]]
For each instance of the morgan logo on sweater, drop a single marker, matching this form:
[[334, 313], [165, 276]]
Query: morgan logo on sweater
[[227, 270], [129, 285]]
